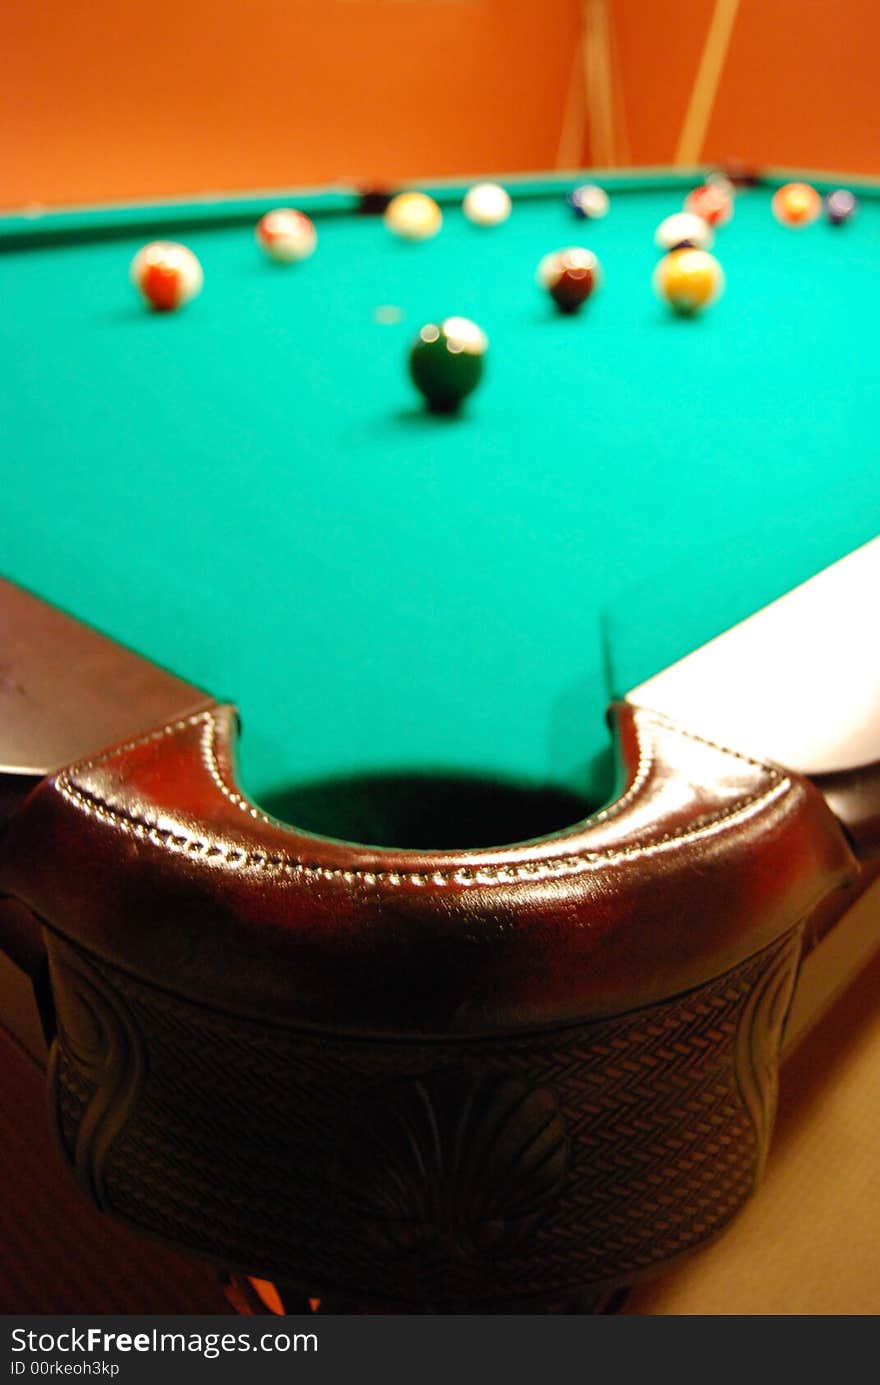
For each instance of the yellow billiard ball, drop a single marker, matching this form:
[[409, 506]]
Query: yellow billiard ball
[[413, 216], [688, 280]]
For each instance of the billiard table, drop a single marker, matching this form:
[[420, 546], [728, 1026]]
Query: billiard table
[[300, 1054]]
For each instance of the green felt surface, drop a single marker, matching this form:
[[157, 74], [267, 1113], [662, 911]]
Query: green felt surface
[[249, 491]]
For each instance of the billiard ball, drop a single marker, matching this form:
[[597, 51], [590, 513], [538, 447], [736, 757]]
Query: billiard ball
[[286, 235], [713, 203], [840, 207], [588, 202], [486, 204], [166, 274], [570, 276], [719, 179], [446, 361], [413, 216], [688, 280], [796, 204], [683, 231]]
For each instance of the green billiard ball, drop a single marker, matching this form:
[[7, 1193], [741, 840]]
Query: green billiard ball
[[446, 362]]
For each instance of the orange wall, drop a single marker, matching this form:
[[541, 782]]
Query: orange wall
[[114, 100], [811, 67], [799, 87], [117, 100]]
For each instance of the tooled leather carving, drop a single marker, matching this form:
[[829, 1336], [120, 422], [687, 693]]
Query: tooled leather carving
[[759, 1040], [450, 1166], [703, 859], [100, 1051], [508, 1168]]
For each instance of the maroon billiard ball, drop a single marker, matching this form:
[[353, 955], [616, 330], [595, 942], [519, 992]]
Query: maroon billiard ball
[[570, 276]]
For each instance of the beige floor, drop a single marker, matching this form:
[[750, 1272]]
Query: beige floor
[[809, 1242]]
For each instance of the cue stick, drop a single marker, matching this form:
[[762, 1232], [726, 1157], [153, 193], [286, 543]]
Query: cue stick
[[570, 150], [618, 95], [594, 82], [705, 88], [596, 55]]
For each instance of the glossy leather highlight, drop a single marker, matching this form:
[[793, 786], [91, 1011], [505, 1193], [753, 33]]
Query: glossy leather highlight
[[149, 856], [491, 1079]]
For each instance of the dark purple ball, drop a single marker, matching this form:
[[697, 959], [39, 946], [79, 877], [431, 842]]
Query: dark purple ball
[[840, 206]]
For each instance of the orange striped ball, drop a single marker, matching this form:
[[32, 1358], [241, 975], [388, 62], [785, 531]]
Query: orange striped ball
[[166, 274], [796, 204]]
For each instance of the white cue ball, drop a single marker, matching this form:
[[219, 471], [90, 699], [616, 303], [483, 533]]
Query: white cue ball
[[684, 228], [487, 204]]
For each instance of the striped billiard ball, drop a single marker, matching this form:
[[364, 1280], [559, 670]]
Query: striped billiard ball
[[796, 204], [588, 202], [286, 235], [166, 274], [712, 202]]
